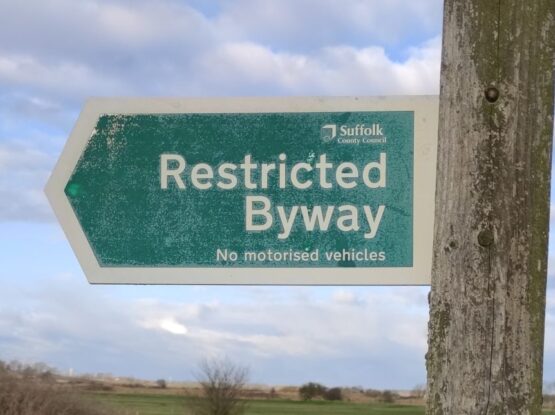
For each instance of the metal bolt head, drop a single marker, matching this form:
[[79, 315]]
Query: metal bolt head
[[485, 238], [492, 94]]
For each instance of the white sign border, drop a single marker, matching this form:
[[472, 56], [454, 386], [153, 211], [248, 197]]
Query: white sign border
[[425, 149]]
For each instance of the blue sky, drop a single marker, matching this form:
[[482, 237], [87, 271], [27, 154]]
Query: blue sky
[[56, 53]]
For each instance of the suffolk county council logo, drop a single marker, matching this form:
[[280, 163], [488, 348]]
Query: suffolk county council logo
[[328, 132]]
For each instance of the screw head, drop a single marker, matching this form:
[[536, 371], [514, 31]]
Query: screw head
[[492, 94], [485, 238]]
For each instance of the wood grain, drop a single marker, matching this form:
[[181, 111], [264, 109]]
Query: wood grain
[[487, 301]]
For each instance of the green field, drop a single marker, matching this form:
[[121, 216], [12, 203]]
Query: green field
[[147, 404], [152, 404]]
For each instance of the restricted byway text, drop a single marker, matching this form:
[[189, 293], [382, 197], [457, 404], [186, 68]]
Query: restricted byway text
[[260, 214]]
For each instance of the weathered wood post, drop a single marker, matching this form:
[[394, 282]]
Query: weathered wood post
[[487, 302]]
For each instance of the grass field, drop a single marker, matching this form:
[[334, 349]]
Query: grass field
[[153, 404], [147, 404]]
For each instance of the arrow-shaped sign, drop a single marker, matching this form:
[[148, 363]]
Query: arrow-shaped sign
[[250, 191]]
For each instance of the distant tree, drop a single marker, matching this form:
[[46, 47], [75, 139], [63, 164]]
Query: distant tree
[[161, 383], [333, 394], [15, 366], [373, 393], [40, 368], [388, 396], [311, 390], [419, 391], [222, 383], [28, 372]]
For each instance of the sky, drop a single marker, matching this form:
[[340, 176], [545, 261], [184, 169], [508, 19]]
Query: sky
[[54, 54]]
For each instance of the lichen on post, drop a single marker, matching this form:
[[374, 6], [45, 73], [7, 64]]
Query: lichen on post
[[487, 301]]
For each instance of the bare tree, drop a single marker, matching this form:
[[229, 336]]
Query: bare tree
[[222, 383], [23, 395]]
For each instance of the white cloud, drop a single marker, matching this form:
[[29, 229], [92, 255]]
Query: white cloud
[[21, 113], [91, 28], [61, 320], [173, 326], [237, 68], [346, 297], [24, 170], [64, 77], [169, 48], [337, 70], [310, 24]]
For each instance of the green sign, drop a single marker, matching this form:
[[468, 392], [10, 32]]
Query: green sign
[[216, 191]]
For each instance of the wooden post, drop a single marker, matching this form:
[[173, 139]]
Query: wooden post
[[487, 302]]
